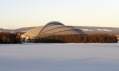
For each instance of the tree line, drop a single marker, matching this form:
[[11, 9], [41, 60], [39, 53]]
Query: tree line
[[78, 38], [9, 38], [12, 38]]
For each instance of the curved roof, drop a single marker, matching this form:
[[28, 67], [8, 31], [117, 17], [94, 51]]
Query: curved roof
[[33, 32], [54, 23], [51, 28], [61, 29]]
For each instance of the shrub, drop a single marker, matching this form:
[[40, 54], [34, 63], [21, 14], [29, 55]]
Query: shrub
[[9, 38]]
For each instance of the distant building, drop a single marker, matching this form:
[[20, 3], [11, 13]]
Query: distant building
[[51, 28]]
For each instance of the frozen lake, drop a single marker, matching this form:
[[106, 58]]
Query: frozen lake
[[59, 57]]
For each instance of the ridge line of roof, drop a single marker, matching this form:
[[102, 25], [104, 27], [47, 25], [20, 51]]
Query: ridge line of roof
[[50, 23]]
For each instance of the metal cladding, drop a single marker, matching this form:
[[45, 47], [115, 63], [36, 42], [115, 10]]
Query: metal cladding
[[52, 28]]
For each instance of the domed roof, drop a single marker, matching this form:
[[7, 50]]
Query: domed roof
[[59, 30], [54, 23], [53, 28]]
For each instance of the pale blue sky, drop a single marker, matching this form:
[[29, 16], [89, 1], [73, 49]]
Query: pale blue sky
[[23, 13]]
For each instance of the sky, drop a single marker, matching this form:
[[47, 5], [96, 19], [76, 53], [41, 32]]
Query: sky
[[27, 13]]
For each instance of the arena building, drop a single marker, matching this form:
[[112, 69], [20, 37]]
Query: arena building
[[51, 28]]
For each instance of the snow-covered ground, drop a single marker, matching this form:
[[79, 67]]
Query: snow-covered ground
[[59, 57]]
